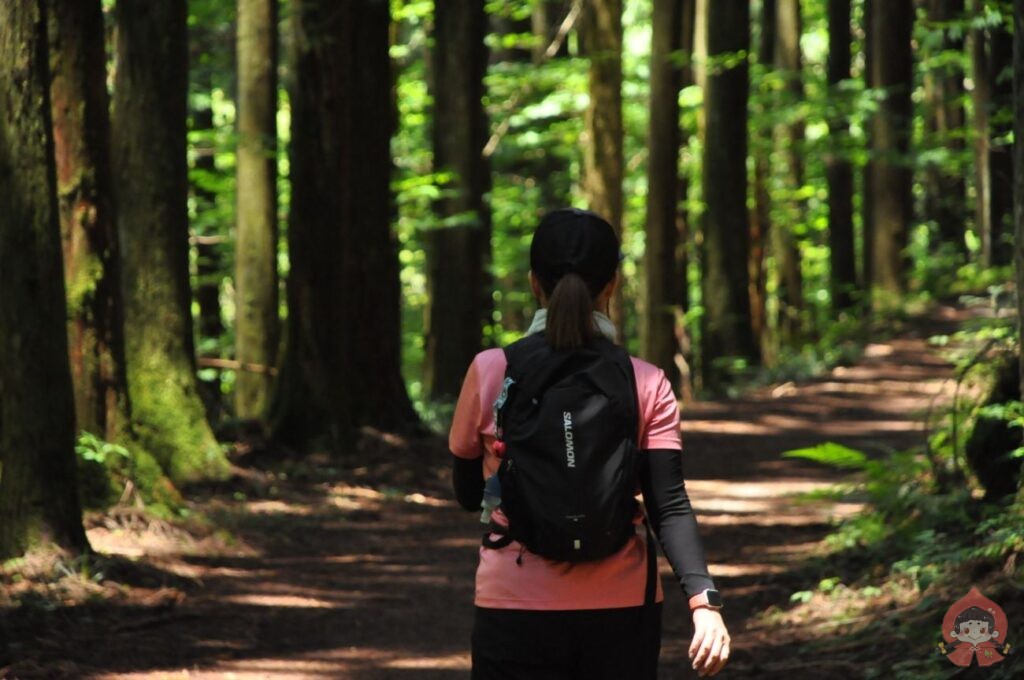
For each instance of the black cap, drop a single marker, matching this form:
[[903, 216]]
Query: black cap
[[572, 240]]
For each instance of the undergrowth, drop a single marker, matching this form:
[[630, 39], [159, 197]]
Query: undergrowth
[[928, 532]]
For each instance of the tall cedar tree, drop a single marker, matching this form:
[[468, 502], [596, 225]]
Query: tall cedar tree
[[38, 487], [342, 363], [761, 215], [659, 333], [891, 129], [790, 139], [838, 169], [550, 169], [867, 202], [991, 56], [459, 250], [1018, 176], [152, 192], [726, 329], [945, 198], [256, 280], [92, 266], [981, 99], [1000, 159], [601, 34]]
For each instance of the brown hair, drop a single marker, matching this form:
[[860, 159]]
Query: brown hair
[[570, 323]]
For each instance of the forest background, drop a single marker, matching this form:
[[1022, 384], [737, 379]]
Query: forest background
[[282, 223]]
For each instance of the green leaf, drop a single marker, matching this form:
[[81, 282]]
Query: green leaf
[[831, 453]]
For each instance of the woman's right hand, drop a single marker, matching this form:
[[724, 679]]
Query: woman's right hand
[[709, 649]]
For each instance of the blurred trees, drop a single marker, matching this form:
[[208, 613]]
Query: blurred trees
[[341, 367], [891, 127], [256, 280], [672, 33], [459, 247], [726, 332], [91, 245], [151, 175]]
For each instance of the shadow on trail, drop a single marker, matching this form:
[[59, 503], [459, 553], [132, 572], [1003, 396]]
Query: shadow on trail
[[366, 571]]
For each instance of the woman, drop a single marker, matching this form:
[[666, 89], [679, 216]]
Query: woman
[[538, 618]]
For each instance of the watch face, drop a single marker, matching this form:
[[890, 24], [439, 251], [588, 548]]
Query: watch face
[[714, 598]]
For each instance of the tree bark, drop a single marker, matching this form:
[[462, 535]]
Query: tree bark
[[38, 485], [790, 136], [151, 173], [726, 330], [838, 169], [945, 200], [459, 250], [761, 216], [659, 332], [1000, 157], [342, 363], [867, 211], [892, 66], [603, 166], [256, 280], [1018, 176], [981, 98], [91, 247]]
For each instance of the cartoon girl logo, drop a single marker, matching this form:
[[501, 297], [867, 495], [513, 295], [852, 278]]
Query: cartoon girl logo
[[974, 628]]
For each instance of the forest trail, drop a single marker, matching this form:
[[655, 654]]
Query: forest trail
[[371, 578]]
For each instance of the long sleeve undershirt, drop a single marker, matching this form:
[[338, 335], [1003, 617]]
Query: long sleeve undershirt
[[660, 472]]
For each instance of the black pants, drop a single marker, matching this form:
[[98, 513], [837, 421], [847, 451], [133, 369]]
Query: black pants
[[593, 644]]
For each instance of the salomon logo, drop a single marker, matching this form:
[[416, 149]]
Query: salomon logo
[[570, 452]]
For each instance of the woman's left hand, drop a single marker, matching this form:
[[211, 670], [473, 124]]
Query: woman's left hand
[[709, 649]]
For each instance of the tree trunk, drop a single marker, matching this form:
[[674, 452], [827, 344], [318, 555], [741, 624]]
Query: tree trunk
[[981, 98], [761, 216], [1018, 176], [551, 169], [342, 364], [603, 167], [1000, 147], [38, 485], [459, 250], [256, 280], [92, 267], [892, 66], [945, 200], [151, 173], [726, 330], [867, 204], [790, 137], [838, 170], [659, 334]]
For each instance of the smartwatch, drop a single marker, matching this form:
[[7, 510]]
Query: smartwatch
[[708, 599]]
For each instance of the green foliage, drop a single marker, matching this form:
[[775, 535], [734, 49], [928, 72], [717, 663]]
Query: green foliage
[[121, 472], [93, 449], [830, 453]]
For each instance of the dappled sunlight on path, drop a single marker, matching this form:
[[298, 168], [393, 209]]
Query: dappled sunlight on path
[[371, 578]]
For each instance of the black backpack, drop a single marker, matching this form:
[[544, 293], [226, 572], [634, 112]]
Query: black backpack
[[567, 423]]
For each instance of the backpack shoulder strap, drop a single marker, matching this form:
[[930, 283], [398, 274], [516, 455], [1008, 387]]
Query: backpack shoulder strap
[[532, 363], [617, 355]]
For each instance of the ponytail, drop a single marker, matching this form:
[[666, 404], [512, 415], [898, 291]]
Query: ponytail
[[570, 322]]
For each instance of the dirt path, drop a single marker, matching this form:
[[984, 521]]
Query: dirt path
[[372, 578]]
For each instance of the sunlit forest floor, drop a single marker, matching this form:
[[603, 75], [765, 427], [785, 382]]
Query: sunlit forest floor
[[313, 569]]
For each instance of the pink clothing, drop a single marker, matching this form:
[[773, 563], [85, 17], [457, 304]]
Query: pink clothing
[[539, 583]]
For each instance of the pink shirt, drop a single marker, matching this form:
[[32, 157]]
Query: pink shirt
[[539, 583]]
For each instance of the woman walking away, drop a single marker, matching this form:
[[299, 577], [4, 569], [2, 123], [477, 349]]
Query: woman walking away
[[553, 437]]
